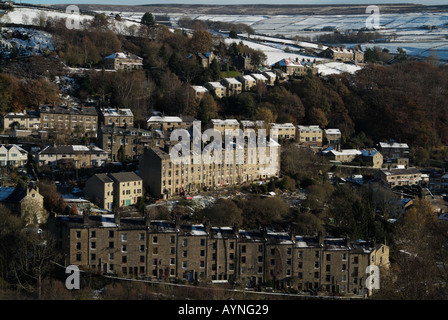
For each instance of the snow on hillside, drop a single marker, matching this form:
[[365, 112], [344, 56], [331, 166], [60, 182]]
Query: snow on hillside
[[273, 54], [27, 41], [336, 68], [33, 17], [422, 49], [325, 66], [284, 41]]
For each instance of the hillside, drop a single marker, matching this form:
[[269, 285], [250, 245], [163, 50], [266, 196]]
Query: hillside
[[259, 9]]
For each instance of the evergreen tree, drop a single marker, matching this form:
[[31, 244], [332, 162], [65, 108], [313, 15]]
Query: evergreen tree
[[148, 20]]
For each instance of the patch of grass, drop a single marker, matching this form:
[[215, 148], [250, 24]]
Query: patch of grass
[[229, 74]]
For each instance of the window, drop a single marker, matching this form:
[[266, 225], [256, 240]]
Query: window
[[124, 259], [78, 245], [124, 248], [154, 239], [185, 242], [111, 256], [93, 234], [111, 234], [93, 245], [111, 244], [78, 234], [124, 237]]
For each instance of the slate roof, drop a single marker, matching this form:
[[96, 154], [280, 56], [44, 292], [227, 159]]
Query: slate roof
[[104, 177], [82, 111], [12, 194], [124, 176], [70, 149], [123, 55]]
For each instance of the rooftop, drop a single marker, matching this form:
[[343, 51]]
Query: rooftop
[[15, 146], [27, 114], [215, 84], [199, 88], [224, 122], [157, 119], [332, 131], [70, 149], [69, 110], [104, 177], [282, 125], [123, 55], [258, 76], [231, 80], [12, 194], [393, 145], [309, 128], [117, 112], [346, 152], [124, 176], [400, 171]]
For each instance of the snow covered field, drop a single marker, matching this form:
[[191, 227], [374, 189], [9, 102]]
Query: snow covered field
[[273, 54], [274, 34], [418, 33], [336, 68]]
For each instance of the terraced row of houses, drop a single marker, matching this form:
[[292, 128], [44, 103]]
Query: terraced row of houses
[[168, 251]]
